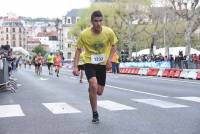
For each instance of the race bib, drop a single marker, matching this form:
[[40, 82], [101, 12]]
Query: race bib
[[99, 58]]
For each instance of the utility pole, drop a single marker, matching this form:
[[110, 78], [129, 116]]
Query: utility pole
[[164, 31]]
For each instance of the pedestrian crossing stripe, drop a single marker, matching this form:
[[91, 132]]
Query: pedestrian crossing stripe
[[64, 108], [159, 103], [113, 106], [191, 98], [60, 108], [10, 111]]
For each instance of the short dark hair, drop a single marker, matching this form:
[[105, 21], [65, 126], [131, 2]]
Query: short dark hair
[[96, 13]]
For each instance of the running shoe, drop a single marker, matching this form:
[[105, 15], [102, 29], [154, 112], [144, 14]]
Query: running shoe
[[95, 119]]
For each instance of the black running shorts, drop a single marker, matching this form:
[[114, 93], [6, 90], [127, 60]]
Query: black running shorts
[[80, 67], [49, 65], [37, 64], [98, 71]]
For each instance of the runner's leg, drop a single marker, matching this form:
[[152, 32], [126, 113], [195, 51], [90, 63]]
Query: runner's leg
[[93, 93]]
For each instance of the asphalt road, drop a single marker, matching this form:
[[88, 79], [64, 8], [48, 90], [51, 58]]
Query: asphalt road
[[130, 105]]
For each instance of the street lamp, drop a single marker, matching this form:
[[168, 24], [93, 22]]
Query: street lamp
[[59, 29], [153, 43]]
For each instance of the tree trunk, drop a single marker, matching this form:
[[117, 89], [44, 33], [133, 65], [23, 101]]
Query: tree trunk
[[130, 50], [188, 41]]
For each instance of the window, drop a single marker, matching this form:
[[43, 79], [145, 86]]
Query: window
[[53, 38], [69, 45], [20, 43], [6, 30], [14, 45], [69, 20], [20, 30], [6, 42], [7, 38], [13, 37], [69, 54], [77, 19], [13, 30]]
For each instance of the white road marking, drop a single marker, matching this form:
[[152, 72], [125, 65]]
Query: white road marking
[[10, 111], [113, 106], [159, 103], [191, 98], [60, 108], [15, 79], [19, 85], [43, 79], [131, 90], [74, 77], [162, 78]]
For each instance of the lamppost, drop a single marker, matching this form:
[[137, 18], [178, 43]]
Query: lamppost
[[153, 43], [59, 29]]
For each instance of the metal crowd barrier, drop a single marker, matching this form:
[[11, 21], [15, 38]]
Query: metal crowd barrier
[[3, 72], [6, 83]]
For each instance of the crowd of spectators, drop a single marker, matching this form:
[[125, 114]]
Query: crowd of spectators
[[7, 53], [180, 61]]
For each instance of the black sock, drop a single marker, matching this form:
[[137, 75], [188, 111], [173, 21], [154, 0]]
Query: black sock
[[95, 114]]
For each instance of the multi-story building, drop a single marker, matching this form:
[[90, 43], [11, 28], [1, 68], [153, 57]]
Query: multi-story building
[[32, 43], [68, 21], [12, 32], [42, 31], [50, 39]]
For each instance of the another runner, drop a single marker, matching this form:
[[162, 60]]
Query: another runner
[[38, 64], [57, 63], [50, 63]]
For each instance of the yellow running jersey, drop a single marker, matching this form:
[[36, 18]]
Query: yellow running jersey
[[97, 47]]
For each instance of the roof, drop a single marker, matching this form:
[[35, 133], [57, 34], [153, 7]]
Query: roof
[[53, 33], [47, 34], [33, 40], [41, 34], [12, 22], [73, 12]]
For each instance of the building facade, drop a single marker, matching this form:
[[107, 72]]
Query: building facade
[[13, 33], [69, 42]]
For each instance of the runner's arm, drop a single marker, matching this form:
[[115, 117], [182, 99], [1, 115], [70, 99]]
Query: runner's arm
[[77, 57], [112, 51]]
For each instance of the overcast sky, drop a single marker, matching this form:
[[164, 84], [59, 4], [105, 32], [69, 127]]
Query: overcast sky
[[40, 8]]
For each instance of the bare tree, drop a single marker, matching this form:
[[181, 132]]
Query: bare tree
[[190, 11], [132, 16]]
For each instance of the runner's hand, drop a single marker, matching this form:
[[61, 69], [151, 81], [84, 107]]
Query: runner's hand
[[75, 71], [108, 66]]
